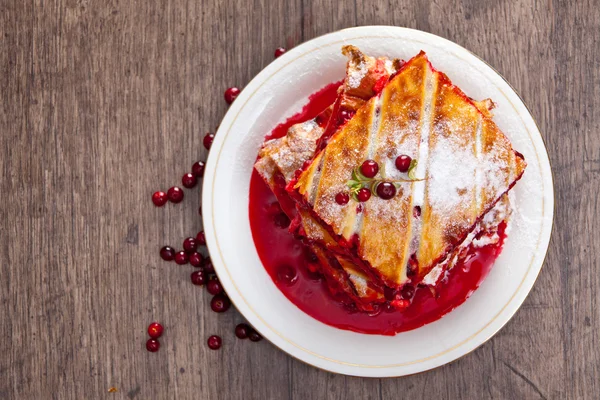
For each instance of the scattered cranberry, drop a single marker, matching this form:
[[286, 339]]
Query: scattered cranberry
[[207, 265], [175, 194], [413, 265], [311, 257], [196, 259], [321, 120], [281, 220], [214, 287], [198, 169], [159, 199], [231, 94], [342, 198], [386, 190], [254, 336], [403, 163], [242, 331], [167, 253], [201, 238], [400, 304], [198, 278], [190, 245], [407, 292], [189, 180], [389, 293], [214, 342], [208, 140], [279, 51], [417, 211], [155, 330], [220, 303], [286, 275], [181, 258], [345, 116], [152, 345], [369, 168], [364, 194]]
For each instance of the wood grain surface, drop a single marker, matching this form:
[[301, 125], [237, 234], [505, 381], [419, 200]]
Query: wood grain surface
[[103, 102]]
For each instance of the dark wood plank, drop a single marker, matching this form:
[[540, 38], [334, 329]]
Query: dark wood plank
[[104, 102]]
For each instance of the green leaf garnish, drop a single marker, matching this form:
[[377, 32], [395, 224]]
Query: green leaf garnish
[[360, 181], [412, 169]]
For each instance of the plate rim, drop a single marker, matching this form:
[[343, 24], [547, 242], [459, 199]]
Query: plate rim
[[342, 367]]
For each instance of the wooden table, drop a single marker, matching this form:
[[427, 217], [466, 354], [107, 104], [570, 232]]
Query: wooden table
[[103, 102]]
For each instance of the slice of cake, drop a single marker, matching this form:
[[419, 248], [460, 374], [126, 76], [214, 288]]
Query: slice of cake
[[281, 158], [403, 221]]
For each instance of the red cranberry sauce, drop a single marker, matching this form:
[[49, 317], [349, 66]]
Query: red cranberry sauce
[[280, 251], [317, 102]]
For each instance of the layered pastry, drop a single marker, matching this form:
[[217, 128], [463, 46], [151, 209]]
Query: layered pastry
[[395, 183]]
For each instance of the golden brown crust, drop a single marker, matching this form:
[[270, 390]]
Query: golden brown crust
[[387, 224], [468, 164]]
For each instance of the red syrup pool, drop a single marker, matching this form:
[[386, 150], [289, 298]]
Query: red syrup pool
[[282, 254]]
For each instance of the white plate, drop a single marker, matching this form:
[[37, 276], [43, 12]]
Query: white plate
[[278, 92]]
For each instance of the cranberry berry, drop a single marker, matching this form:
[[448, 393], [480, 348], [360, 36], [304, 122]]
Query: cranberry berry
[[208, 139], [196, 259], [386, 190], [369, 168], [403, 163], [220, 303], [198, 278], [254, 336], [279, 52], [201, 238], [152, 345], [167, 253], [198, 169], [363, 194], [286, 275], [189, 180], [417, 211], [175, 194], [207, 265], [190, 245], [342, 198], [345, 116], [281, 220], [159, 199], [407, 292], [214, 287], [242, 331], [214, 342], [231, 94], [181, 258], [155, 330], [400, 304]]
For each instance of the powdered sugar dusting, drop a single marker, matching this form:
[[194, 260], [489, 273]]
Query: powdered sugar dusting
[[419, 187], [389, 66], [434, 275], [451, 175], [356, 74]]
